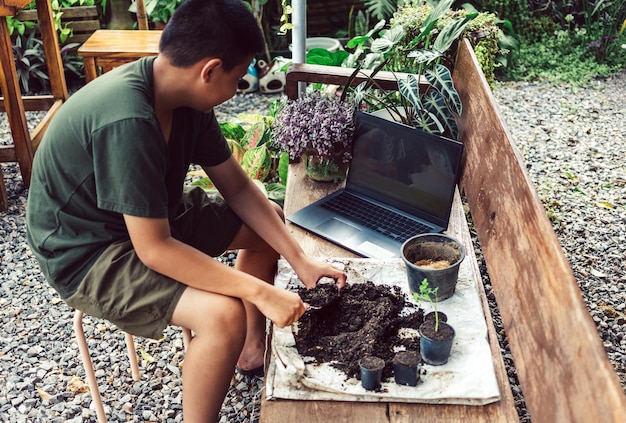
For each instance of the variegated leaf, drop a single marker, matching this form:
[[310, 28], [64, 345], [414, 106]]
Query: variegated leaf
[[435, 104], [424, 56], [441, 80], [236, 148], [410, 89], [257, 162], [257, 134]]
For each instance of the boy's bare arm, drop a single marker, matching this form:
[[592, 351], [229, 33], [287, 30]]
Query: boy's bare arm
[[256, 211], [159, 251]]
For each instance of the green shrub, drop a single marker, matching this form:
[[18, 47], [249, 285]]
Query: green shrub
[[561, 58]]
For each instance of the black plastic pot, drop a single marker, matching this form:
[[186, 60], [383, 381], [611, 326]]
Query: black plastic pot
[[433, 247], [371, 372], [435, 347], [406, 368]]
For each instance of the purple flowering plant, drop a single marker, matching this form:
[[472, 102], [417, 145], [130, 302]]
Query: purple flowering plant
[[315, 123]]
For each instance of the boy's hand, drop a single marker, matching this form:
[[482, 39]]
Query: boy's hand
[[311, 271], [282, 307]]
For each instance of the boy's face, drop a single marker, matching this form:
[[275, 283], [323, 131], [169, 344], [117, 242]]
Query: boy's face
[[222, 85]]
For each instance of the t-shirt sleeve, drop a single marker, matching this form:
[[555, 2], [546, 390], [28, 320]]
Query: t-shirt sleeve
[[130, 159], [212, 148]]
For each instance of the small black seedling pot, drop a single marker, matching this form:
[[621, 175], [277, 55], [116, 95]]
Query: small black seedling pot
[[371, 372], [406, 368], [435, 347]]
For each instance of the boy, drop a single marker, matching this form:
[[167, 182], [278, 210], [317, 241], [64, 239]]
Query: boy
[[117, 237]]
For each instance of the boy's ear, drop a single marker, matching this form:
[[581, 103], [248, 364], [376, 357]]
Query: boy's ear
[[209, 67]]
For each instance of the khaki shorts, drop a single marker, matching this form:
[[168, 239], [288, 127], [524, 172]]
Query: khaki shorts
[[138, 300]]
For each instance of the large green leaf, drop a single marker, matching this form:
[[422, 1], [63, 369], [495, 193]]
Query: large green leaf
[[451, 32], [232, 130], [256, 162], [436, 106], [389, 38], [236, 148], [424, 56], [283, 167], [428, 122], [441, 80], [258, 134], [276, 191], [380, 9], [321, 56], [440, 10], [410, 89]]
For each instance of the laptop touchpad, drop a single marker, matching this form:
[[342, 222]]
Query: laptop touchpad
[[338, 229]]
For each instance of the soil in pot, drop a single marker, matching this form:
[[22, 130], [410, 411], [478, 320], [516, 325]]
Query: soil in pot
[[406, 367], [436, 258], [371, 370], [435, 345], [366, 320]]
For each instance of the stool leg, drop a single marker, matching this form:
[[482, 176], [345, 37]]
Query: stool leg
[[88, 365], [132, 356]]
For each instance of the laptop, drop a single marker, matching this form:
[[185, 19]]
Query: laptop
[[400, 183]]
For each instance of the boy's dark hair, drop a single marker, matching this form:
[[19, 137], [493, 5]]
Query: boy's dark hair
[[225, 29]]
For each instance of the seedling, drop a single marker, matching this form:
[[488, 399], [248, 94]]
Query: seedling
[[428, 294]]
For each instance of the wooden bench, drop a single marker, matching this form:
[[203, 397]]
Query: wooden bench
[[562, 366]]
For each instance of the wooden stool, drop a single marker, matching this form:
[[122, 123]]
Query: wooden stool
[[88, 364], [107, 49]]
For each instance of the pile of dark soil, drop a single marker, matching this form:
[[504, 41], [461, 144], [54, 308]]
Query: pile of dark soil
[[365, 320]]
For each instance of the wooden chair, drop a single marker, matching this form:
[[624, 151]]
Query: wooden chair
[[14, 104], [106, 49], [88, 364]]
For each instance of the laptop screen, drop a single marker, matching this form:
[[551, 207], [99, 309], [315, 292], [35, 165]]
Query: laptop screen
[[405, 167]]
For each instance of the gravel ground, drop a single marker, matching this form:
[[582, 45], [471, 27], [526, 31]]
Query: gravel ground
[[573, 142]]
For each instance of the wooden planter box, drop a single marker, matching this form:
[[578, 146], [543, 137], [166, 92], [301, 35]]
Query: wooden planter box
[[563, 368]]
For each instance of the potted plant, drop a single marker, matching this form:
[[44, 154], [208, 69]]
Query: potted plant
[[436, 336], [249, 140], [433, 106], [435, 257], [318, 129]]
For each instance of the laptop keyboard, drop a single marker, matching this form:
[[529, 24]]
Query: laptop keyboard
[[381, 220]]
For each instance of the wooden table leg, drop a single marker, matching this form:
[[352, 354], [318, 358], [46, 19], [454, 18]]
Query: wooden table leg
[[91, 72], [14, 105]]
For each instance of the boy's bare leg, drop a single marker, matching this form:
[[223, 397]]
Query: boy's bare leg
[[257, 258], [219, 325]]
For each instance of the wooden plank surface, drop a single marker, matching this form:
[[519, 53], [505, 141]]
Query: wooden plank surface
[[301, 192], [563, 368], [121, 43]]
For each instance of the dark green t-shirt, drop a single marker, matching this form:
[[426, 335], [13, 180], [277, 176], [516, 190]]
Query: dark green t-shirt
[[104, 155]]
